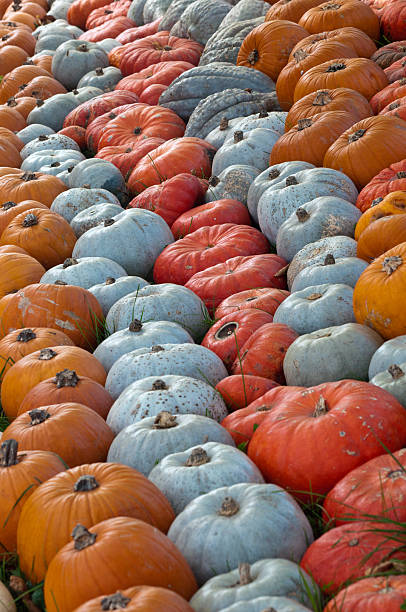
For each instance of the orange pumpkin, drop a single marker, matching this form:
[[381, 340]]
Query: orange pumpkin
[[310, 138], [41, 88], [376, 593], [73, 431], [43, 234], [392, 204], [368, 147], [291, 10], [327, 100], [20, 186], [376, 294], [352, 37], [18, 35], [357, 73], [23, 104], [85, 494], [6, 134], [11, 119], [18, 271], [147, 557], [10, 248], [10, 210], [67, 386], [138, 599], [17, 78], [21, 342], [302, 60], [9, 154], [32, 8], [43, 61], [42, 364], [26, 19], [267, 46], [68, 308], [341, 13], [381, 236], [21, 473], [11, 56]]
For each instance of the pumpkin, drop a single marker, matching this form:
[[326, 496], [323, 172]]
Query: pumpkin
[[346, 270], [364, 137], [109, 29], [389, 54], [11, 119], [79, 11], [258, 508], [175, 156], [306, 415], [392, 22], [350, 552], [375, 488], [41, 88], [310, 138], [20, 474], [109, 292], [267, 46], [212, 213], [9, 154], [350, 36], [125, 157], [23, 104], [139, 599], [74, 58], [94, 131], [18, 77], [86, 112], [77, 134], [387, 181], [303, 59], [292, 10], [10, 210], [102, 15], [17, 271], [18, 36], [69, 203], [73, 431], [396, 71], [200, 21], [43, 234], [51, 306], [388, 591], [162, 73], [343, 13], [389, 94], [84, 272], [393, 203], [395, 108], [227, 337], [141, 31], [266, 299], [30, 185], [11, 56], [357, 73], [6, 134], [389, 353], [86, 494], [240, 273], [240, 390], [381, 236]]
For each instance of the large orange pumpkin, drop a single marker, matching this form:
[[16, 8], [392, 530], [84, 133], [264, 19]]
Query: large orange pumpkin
[[21, 186], [43, 234], [291, 10], [377, 291], [85, 494], [17, 78], [9, 210], [73, 431], [341, 13], [11, 56], [42, 364], [20, 474], [68, 308], [138, 599], [267, 46], [18, 271], [392, 204], [381, 236], [368, 147], [11, 119], [18, 35], [6, 134], [352, 37], [9, 155], [147, 557], [23, 104], [41, 88]]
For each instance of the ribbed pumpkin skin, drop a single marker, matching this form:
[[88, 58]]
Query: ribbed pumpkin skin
[[381, 236], [328, 16], [353, 37], [85, 113], [267, 299], [19, 76], [18, 271], [212, 213], [378, 593], [392, 204], [390, 180], [20, 186], [72, 431], [143, 599], [9, 210], [239, 391], [292, 10], [11, 56], [391, 92]]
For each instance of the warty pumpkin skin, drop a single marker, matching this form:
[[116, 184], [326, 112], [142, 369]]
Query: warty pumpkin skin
[[18, 271], [390, 180], [357, 73], [392, 204], [381, 236], [342, 13], [139, 599], [352, 37], [375, 488], [378, 141], [20, 474], [86, 494], [267, 46], [376, 593], [45, 235], [307, 420], [21, 186]]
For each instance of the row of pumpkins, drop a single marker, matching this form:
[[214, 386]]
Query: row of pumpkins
[[202, 271]]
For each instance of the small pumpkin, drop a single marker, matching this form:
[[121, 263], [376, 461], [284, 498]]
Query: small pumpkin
[[384, 591]]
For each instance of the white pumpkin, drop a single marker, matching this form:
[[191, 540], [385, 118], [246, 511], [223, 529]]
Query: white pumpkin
[[391, 351], [285, 195], [271, 121], [330, 354], [267, 604], [84, 272], [54, 142], [142, 445], [175, 394], [113, 289], [265, 578], [180, 359], [93, 216], [393, 380], [134, 239], [253, 147], [71, 202], [316, 307], [139, 335], [164, 302], [185, 475], [345, 270], [240, 524], [53, 162], [233, 183]]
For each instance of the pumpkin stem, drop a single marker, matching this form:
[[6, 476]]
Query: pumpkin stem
[[291, 180], [157, 348], [7, 205], [69, 261], [66, 378], [110, 281], [314, 296], [394, 474], [137, 130], [108, 222], [223, 124], [282, 271], [83, 48], [356, 135], [376, 201], [8, 453], [30, 220], [165, 420], [38, 416], [262, 114], [238, 136], [322, 98], [401, 174], [302, 215], [135, 326], [304, 123], [159, 385], [329, 260], [391, 264], [213, 181], [114, 602], [43, 137], [99, 71], [46, 354], [395, 371], [229, 507], [85, 483], [226, 330], [244, 570], [320, 408], [336, 66], [60, 282], [82, 537], [263, 408], [26, 335], [197, 457], [300, 55], [253, 57], [273, 174]]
